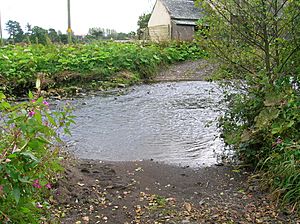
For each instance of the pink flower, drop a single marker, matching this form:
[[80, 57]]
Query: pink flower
[[48, 186], [33, 101], [38, 205], [36, 184], [279, 141], [31, 113], [45, 103]]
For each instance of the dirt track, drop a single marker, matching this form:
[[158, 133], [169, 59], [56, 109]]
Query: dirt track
[[149, 192]]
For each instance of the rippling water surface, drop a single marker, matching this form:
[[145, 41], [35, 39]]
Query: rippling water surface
[[165, 122]]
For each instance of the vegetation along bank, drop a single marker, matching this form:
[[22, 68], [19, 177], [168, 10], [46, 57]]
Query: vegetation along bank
[[30, 143], [258, 45], [100, 65]]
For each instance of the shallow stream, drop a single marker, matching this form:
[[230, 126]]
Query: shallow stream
[[166, 122]]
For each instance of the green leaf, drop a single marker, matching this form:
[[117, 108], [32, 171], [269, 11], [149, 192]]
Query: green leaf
[[2, 96], [16, 193], [24, 180], [276, 128], [5, 105], [30, 155], [265, 117], [50, 119], [38, 117], [11, 156], [40, 100], [30, 95], [290, 124], [25, 210], [43, 140], [35, 144]]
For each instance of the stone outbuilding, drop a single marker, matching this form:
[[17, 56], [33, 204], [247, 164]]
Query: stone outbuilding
[[173, 20]]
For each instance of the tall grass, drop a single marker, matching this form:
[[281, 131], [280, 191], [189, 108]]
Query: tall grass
[[282, 173]]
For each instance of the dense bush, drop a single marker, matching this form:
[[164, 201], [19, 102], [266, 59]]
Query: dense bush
[[257, 42], [19, 65], [263, 127], [29, 158]]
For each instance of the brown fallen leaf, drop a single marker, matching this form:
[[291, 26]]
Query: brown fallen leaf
[[139, 169], [187, 206]]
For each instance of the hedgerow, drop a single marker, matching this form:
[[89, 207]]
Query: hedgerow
[[62, 64]]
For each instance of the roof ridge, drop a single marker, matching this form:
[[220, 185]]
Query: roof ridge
[[182, 9]]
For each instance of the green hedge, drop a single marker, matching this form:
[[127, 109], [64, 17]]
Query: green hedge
[[20, 65]]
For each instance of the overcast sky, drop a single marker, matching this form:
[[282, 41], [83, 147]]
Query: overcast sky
[[120, 15]]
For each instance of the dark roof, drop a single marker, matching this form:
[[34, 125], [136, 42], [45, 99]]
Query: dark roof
[[182, 9]]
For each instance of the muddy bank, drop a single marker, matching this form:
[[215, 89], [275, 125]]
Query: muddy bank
[[187, 71], [150, 192]]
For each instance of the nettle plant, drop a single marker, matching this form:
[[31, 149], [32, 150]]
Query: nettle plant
[[30, 146]]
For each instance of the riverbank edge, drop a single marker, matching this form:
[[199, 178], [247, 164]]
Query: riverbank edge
[[72, 84]]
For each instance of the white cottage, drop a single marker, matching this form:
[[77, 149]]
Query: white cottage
[[173, 20]]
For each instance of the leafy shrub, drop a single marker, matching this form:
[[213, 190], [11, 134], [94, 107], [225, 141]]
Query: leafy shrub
[[29, 157], [263, 127], [257, 43], [19, 65]]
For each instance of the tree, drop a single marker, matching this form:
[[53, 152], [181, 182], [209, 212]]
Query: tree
[[28, 29], [122, 36], [28, 33], [96, 33], [259, 45], [39, 35], [132, 35], [63, 38], [143, 24], [53, 35], [251, 35], [16, 34]]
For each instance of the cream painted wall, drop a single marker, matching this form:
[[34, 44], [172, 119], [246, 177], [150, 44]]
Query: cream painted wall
[[160, 33], [159, 23], [160, 15]]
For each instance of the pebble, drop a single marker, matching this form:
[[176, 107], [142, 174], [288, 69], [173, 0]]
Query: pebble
[[86, 218]]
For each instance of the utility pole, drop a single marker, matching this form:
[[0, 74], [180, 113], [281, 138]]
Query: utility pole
[[1, 37], [69, 23]]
